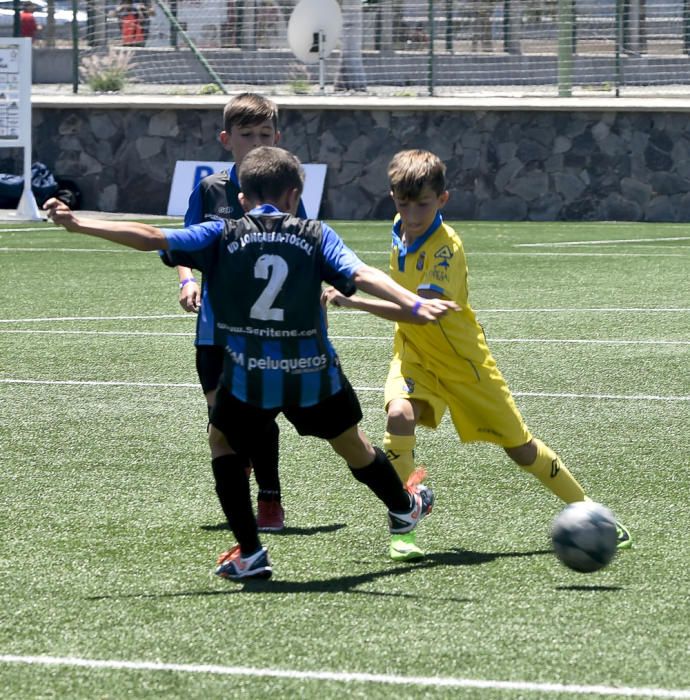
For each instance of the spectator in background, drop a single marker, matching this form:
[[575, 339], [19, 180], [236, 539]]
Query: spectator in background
[[131, 23], [146, 11], [28, 26], [483, 11]]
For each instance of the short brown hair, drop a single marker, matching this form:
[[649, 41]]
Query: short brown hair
[[267, 172], [410, 171], [248, 109]]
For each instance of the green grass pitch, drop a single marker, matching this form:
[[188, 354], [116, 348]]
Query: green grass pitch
[[109, 524]]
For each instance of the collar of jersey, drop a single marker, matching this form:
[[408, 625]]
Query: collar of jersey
[[419, 242], [265, 210]]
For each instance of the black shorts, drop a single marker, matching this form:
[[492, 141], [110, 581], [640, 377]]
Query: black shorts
[[243, 424], [209, 365]]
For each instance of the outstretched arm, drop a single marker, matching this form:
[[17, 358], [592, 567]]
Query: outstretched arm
[[394, 302], [378, 307], [128, 233]]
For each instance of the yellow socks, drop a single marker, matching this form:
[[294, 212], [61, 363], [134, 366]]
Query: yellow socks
[[549, 469], [400, 451]]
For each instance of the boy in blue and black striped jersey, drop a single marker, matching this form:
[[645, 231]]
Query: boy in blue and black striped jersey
[[269, 364], [249, 120], [264, 275]]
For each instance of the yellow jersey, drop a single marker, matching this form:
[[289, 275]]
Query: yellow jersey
[[455, 345]]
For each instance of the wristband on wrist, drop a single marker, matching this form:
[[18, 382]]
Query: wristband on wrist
[[187, 281], [415, 308]]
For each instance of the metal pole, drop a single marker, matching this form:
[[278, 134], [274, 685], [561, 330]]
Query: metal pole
[[565, 48], [619, 44], [75, 48], [173, 30], [431, 47], [322, 61], [506, 25], [16, 23], [449, 26]]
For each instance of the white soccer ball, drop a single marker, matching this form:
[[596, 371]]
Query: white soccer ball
[[584, 536]]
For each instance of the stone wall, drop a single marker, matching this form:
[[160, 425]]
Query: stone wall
[[568, 161]]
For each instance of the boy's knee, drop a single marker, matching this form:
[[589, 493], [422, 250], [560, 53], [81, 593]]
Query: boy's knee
[[400, 416], [523, 455], [218, 443]]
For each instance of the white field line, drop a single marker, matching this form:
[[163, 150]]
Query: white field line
[[537, 341], [119, 249], [560, 254], [345, 677], [53, 229], [153, 317], [593, 255], [27, 229], [100, 382], [566, 395], [362, 389], [341, 312], [558, 244], [599, 309], [128, 251], [117, 333]]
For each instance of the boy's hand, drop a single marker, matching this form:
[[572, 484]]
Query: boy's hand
[[190, 297], [433, 309], [59, 213], [331, 295]]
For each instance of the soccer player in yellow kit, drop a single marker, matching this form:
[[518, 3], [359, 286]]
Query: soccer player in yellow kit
[[448, 364]]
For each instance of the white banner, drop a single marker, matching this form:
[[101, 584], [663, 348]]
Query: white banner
[[188, 174], [15, 113]]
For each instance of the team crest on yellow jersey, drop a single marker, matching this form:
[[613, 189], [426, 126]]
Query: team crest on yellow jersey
[[408, 386], [420, 260]]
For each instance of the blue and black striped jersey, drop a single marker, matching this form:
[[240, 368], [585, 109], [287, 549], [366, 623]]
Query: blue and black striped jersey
[[215, 198], [264, 274]]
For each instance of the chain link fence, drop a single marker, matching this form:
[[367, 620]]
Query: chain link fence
[[386, 47]]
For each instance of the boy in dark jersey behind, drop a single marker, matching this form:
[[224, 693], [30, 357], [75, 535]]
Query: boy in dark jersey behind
[[264, 275], [249, 120]]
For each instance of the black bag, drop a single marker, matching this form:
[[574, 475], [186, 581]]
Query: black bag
[[69, 193], [43, 185]]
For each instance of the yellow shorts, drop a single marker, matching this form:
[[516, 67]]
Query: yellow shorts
[[481, 408]]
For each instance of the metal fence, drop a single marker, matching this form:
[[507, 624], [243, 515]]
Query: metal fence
[[386, 47]]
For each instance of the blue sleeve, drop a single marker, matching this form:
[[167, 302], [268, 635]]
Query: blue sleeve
[[193, 238], [195, 207], [193, 246], [339, 262]]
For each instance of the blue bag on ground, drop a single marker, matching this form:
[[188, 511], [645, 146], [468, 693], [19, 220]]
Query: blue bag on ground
[[43, 185], [11, 188], [43, 182]]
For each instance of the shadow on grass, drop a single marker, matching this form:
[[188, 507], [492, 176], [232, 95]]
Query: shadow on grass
[[589, 587], [466, 557], [317, 530], [347, 584]]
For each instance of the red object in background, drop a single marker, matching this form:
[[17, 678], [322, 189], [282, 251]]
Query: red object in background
[[132, 31], [27, 23]]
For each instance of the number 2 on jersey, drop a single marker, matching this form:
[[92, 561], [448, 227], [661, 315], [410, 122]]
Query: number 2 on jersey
[[275, 270]]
